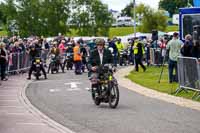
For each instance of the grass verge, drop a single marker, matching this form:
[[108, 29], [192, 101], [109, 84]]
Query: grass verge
[[150, 79]]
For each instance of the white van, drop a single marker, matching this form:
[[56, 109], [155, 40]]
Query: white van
[[125, 21]]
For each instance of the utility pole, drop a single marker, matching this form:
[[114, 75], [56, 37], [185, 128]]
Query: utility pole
[[134, 18]]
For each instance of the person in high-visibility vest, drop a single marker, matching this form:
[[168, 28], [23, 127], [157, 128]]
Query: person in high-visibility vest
[[77, 58], [138, 51], [120, 47]]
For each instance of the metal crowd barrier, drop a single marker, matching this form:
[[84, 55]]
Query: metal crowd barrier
[[189, 75], [18, 62], [156, 56]]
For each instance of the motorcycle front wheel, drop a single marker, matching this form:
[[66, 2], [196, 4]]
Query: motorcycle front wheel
[[113, 96], [95, 98]]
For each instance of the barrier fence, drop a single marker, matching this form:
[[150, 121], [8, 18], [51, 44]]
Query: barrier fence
[[157, 56], [18, 62], [189, 75]]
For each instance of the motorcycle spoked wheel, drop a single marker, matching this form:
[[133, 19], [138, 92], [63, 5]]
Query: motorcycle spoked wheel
[[113, 96], [37, 74], [52, 68], [37, 77]]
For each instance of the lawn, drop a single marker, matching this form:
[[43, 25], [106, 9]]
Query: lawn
[[3, 33], [122, 31], [114, 31], [150, 79], [172, 28]]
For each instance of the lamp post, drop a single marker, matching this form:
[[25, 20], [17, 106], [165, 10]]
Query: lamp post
[[134, 18]]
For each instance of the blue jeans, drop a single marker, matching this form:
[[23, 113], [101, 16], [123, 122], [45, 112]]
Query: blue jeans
[[78, 65], [171, 67], [115, 59]]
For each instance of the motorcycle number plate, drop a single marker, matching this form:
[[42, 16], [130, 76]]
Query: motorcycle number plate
[[37, 65], [110, 78]]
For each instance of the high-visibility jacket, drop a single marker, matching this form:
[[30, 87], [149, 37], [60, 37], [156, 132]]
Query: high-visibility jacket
[[120, 46], [135, 51], [77, 53]]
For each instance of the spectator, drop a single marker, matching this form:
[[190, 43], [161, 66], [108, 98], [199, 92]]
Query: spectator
[[3, 61], [186, 50], [162, 45], [111, 44], [62, 47], [147, 51], [196, 50], [45, 50], [174, 47]]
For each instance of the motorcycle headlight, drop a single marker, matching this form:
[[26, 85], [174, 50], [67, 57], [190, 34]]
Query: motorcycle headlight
[[53, 56], [110, 67], [37, 61]]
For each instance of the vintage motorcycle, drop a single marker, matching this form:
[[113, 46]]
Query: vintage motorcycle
[[68, 62], [38, 64], [106, 88], [123, 57], [53, 66]]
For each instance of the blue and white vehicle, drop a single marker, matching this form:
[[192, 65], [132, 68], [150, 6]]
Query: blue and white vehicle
[[188, 17]]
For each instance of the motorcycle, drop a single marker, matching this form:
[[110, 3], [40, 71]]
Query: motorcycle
[[123, 59], [68, 61], [53, 64], [37, 71], [106, 90]]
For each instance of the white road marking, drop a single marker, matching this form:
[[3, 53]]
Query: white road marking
[[73, 89], [54, 90], [88, 89], [73, 86]]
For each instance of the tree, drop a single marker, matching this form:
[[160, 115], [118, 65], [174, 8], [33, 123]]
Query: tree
[[150, 20], [172, 6], [128, 10], [8, 13], [47, 17], [91, 17], [153, 20], [50, 17]]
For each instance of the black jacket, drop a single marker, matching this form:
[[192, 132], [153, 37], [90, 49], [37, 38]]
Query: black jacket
[[94, 59], [2, 53]]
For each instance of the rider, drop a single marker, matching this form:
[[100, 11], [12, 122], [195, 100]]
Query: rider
[[33, 54], [98, 56], [55, 51]]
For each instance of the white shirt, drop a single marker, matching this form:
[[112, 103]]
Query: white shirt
[[101, 56]]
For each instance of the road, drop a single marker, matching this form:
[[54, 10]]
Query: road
[[65, 98]]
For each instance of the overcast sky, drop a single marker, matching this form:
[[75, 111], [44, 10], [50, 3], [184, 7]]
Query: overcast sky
[[120, 4]]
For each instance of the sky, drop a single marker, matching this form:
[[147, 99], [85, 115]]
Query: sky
[[120, 4]]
